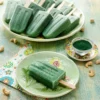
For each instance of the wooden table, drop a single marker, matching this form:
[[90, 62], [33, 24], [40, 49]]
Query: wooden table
[[88, 88]]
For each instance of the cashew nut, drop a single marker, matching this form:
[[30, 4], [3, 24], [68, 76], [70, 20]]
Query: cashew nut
[[82, 29], [1, 2], [6, 92], [90, 63], [14, 40], [1, 48], [98, 62], [91, 20], [91, 73]]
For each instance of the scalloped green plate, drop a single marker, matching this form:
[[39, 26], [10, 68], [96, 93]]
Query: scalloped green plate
[[61, 61]]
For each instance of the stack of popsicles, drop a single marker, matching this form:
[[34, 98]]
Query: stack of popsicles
[[35, 19]]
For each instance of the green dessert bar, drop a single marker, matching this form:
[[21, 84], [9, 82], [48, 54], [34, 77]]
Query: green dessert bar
[[74, 21], [56, 26], [46, 74], [36, 8], [20, 19], [66, 9], [54, 12], [38, 24], [10, 8], [47, 4]]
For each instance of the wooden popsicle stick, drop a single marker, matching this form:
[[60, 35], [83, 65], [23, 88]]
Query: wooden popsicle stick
[[51, 8], [71, 4], [69, 85], [72, 12], [27, 3], [41, 2]]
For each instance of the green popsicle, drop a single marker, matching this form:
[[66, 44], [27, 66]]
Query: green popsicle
[[56, 26], [46, 74], [38, 24], [36, 8], [20, 19], [10, 8], [74, 21]]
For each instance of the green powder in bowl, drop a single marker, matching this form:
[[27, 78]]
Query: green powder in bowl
[[82, 45]]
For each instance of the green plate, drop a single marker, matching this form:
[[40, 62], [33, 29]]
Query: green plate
[[31, 86]]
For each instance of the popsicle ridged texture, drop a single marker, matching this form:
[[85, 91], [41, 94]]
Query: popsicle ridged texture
[[74, 21], [46, 74], [10, 8], [56, 26], [20, 19], [38, 24], [36, 8]]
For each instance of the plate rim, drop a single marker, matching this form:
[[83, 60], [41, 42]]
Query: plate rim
[[73, 32], [58, 95]]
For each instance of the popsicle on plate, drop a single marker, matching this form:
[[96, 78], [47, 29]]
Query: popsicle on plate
[[56, 26], [20, 19], [10, 8], [36, 8], [74, 21], [48, 75], [38, 24]]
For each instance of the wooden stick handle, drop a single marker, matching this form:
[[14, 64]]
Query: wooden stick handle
[[41, 2], [69, 85], [51, 8], [27, 3]]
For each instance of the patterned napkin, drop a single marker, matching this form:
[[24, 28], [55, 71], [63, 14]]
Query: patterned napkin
[[8, 71]]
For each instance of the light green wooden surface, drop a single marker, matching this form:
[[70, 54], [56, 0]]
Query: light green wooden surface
[[87, 88]]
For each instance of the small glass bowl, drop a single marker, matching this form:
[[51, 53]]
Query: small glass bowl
[[82, 52]]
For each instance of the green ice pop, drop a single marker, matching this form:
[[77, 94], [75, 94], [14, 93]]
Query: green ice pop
[[74, 21], [20, 19], [10, 8], [46, 74], [56, 26], [36, 8], [38, 24]]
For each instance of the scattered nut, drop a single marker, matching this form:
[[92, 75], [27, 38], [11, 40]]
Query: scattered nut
[[1, 48], [82, 29], [91, 73], [1, 2], [6, 92], [14, 40], [91, 20], [90, 63], [98, 61], [72, 14]]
